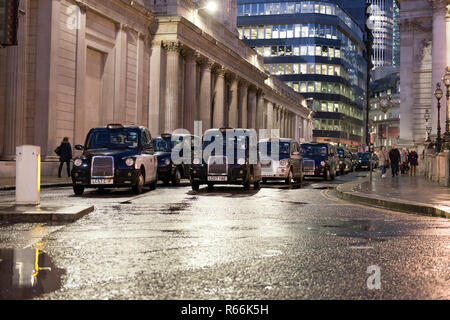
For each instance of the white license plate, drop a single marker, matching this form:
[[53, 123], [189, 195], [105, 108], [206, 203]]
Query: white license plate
[[217, 178], [364, 167], [309, 173], [102, 181]]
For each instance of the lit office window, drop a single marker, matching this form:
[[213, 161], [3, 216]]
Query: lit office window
[[266, 51], [268, 8], [254, 32], [295, 68], [288, 69], [275, 32], [305, 31], [311, 50], [297, 31], [295, 86], [310, 68], [246, 32], [290, 8], [281, 51], [282, 31], [303, 86], [276, 8], [290, 31], [310, 86], [318, 86], [303, 50], [283, 8], [260, 32], [274, 51], [296, 51], [303, 68], [268, 32], [288, 51]]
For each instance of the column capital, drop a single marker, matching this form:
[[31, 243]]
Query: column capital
[[439, 6], [219, 70], [230, 76], [243, 83], [172, 46], [81, 5], [204, 62], [189, 54]]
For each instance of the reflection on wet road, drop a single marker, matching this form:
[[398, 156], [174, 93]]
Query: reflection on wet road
[[275, 243]]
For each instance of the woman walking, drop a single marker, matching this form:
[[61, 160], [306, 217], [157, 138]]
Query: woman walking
[[384, 161], [64, 151], [413, 161]]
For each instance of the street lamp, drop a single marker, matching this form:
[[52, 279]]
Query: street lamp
[[429, 128], [446, 81], [438, 93]]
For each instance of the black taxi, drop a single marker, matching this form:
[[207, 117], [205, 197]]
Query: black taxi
[[320, 160], [281, 160], [115, 156], [229, 156], [175, 154]]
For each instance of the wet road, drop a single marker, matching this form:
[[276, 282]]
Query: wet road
[[277, 243]]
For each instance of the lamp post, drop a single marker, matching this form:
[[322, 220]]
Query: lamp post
[[438, 93], [446, 81], [427, 117]]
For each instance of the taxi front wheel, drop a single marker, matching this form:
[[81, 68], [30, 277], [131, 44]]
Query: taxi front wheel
[[139, 185], [78, 190]]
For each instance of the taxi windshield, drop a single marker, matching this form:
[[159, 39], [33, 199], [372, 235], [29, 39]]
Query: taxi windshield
[[364, 156], [283, 147], [163, 145], [238, 141], [113, 139], [312, 150]]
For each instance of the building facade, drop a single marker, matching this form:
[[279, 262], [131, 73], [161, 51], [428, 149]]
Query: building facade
[[162, 64], [425, 53], [384, 116], [316, 48], [381, 23]]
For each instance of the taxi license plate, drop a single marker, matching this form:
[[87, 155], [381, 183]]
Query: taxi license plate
[[364, 167], [217, 178], [102, 181], [309, 173]]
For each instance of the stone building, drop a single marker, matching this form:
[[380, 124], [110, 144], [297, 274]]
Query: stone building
[[425, 53], [162, 64]]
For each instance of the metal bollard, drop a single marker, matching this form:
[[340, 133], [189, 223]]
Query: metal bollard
[[28, 175]]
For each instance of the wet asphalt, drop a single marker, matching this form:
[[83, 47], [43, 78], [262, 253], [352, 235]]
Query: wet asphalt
[[275, 243]]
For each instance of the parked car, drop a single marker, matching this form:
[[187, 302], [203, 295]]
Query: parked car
[[354, 159], [243, 167], [284, 163], [364, 160], [115, 156], [320, 160], [345, 161], [173, 170]]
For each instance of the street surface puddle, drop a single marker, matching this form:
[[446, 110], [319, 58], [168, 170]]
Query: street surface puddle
[[26, 274], [176, 208]]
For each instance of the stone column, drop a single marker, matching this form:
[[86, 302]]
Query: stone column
[[243, 96], [121, 51], [219, 98], [156, 88], [269, 117], [190, 91], [439, 54], [260, 110], [233, 116], [204, 111], [80, 105], [251, 121], [282, 123], [172, 105]]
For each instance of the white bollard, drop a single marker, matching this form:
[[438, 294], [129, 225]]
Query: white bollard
[[28, 175]]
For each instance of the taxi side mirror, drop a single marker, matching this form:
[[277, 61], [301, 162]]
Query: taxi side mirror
[[79, 147]]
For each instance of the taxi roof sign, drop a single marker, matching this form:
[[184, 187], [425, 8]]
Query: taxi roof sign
[[115, 126]]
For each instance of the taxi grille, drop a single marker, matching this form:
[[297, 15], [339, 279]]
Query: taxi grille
[[218, 165], [266, 164], [309, 165], [103, 167]]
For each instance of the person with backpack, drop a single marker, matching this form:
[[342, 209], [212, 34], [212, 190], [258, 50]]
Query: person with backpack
[[64, 151], [413, 161]]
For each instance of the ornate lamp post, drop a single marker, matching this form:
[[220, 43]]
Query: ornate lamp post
[[438, 93], [446, 81], [429, 128]]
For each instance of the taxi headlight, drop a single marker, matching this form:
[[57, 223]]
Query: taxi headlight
[[197, 161], [241, 161], [78, 162], [129, 162], [167, 162], [323, 163], [284, 163]]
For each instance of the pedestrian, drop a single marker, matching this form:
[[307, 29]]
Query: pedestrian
[[395, 158], [64, 151], [384, 161], [404, 161], [413, 161]]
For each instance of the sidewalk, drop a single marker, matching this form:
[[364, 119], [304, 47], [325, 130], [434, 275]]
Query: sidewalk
[[46, 182], [416, 195]]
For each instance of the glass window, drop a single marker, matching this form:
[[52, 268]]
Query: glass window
[[296, 51], [324, 87], [246, 10], [268, 32], [297, 32], [246, 32], [318, 68], [282, 31], [288, 50], [241, 34], [254, 9], [330, 106], [330, 125], [317, 124], [259, 50], [303, 69], [311, 50], [288, 68], [322, 9], [281, 69], [303, 50], [324, 69], [266, 51], [318, 86], [290, 31], [316, 8], [318, 50], [290, 7], [330, 87], [310, 68], [276, 8], [298, 8], [240, 11], [324, 51], [254, 32], [302, 86], [268, 8], [305, 31], [337, 70], [323, 106], [295, 86], [261, 9], [310, 86], [260, 32], [331, 52], [324, 124], [337, 52], [283, 8], [312, 31], [295, 68], [273, 69], [275, 32], [281, 51], [274, 51], [330, 70]]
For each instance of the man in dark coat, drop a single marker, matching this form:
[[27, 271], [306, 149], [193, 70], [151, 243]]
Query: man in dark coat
[[395, 157], [64, 151]]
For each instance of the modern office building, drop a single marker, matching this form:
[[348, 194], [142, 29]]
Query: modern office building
[[317, 48], [382, 24]]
